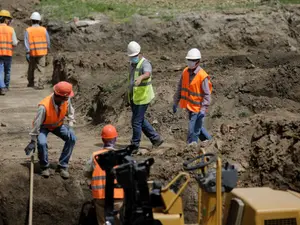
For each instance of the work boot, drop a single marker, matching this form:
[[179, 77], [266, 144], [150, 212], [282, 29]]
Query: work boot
[[157, 143], [2, 92], [39, 87], [30, 85], [192, 146], [133, 148], [64, 173], [45, 172], [205, 143]]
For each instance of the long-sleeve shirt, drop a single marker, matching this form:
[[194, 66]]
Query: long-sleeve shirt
[[14, 36], [26, 41], [41, 115], [204, 86]]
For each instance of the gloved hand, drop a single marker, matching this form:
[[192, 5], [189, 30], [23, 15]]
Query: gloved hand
[[30, 147], [202, 115], [27, 57], [174, 108]]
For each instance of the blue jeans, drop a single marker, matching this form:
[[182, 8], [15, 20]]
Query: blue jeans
[[7, 68], [2, 84], [196, 130], [65, 134], [140, 124]]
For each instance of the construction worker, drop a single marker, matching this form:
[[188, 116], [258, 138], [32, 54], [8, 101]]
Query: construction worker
[[51, 113], [140, 94], [93, 170], [37, 43], [194, 94], [8, 39]]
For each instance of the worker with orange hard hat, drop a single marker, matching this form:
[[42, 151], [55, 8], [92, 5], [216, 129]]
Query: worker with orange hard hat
[[52, 111], [93, 170]]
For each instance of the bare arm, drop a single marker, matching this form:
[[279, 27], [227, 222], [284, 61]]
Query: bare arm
[[147, 69]]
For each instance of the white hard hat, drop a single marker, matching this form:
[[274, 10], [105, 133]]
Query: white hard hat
[[194, 53], [35, 16], [133, 48]]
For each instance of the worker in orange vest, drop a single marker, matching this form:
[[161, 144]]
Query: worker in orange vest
[[37, 44], [50, 118], [93, 170], [194, 94], [8, 40]]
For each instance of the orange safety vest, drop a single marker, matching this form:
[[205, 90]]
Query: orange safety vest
[[191, 96], [37, 39], [52, 119], [6, 41], [98, 181]]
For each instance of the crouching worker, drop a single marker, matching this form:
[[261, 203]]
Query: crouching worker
[[93, 170], [52, 111]]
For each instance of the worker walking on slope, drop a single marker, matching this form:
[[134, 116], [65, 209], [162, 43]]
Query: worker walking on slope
[[140, 94], [8, 39], [93, 170], [194, 94], [37, 44], [50, 117]]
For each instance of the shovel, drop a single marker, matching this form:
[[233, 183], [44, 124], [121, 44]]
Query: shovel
[[31, 187]]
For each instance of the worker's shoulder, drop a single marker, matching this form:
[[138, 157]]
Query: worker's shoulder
[[146, 63], [203, 72], [36, 27], [11, 28], [7, 28]]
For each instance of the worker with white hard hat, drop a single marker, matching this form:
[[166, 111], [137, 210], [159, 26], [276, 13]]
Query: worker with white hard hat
[[37, 44], [194, 94], [8, 40], [140, 94]]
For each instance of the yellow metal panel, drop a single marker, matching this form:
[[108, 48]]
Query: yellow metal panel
[[265, 204], [167, 219], [267, 200]]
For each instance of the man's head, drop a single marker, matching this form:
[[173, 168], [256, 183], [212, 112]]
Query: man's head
[[35, 18], [109, 135], [133, 51], [5, 17], [62, 92], [193, 58]]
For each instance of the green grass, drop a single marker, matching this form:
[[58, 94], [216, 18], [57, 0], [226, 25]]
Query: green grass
[[290, 1], [68, 9], [122, 10]]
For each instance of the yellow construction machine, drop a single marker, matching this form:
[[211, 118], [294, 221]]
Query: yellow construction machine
[[242, 206], [157, 205]]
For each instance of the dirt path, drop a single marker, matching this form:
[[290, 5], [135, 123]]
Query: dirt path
[[17, 110]]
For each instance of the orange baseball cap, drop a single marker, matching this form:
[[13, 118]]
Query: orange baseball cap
[[64, 89]]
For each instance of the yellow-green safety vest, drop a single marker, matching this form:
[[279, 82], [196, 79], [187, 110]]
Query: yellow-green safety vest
[[142, 94]]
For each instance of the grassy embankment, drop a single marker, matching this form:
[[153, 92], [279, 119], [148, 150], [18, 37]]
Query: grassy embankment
[[122, 10]]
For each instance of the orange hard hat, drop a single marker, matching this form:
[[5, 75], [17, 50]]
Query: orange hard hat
[[109, 132], [64, 89]]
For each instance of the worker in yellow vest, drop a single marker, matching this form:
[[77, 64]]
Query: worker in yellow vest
[[52, 111], [93, 170], [194, 94], [140, 95], [8, 40], [37, 44]]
